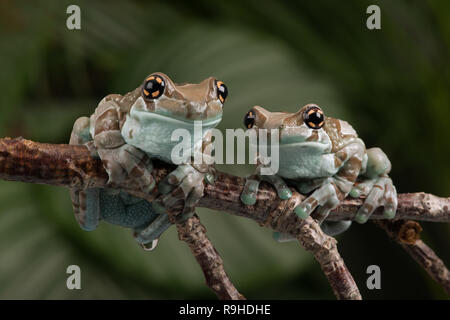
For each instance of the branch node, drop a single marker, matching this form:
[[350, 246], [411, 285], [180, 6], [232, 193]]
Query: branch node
[[409, 232]]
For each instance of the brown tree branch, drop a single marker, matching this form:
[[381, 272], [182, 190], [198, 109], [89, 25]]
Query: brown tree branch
[[64, 165], [407, 234]]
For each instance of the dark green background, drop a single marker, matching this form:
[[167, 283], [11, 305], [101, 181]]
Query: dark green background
[[390, 84]]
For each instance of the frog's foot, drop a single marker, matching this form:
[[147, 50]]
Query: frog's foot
[[150, 246], [86, 207], [120, 208], [379, 192], [333, 228], [251, 187], [128, 167], [185, 183], [148, 237], [322, 200], [362, 188]]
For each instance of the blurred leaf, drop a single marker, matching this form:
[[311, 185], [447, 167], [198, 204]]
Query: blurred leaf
[[391, 85]]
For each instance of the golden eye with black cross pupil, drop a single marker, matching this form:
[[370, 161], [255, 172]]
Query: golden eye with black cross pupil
[[249, 119], [314, 117], [222, 91], [153, 87]]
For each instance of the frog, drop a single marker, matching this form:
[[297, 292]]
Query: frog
[[323, 158], [126, 132]]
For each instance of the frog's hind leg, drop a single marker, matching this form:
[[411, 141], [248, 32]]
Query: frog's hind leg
[[382, 193], [334, 189], [322, 201], [130, 212], [148, 237], [84, 201], [376, 186], [362, 188], [248, 195]]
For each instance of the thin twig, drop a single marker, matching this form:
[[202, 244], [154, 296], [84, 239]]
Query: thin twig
[[194, 234], [325, 251], [407, 235]]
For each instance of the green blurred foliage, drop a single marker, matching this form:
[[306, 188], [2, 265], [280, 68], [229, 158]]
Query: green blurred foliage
[[390, 84]]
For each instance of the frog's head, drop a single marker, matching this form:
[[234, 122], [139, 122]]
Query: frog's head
[[304, 128], [188, 102], [159, 107]]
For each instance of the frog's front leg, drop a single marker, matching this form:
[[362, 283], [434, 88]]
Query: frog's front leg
[[335, 188], [86, 215], [248, 195], [375, 184], [185, 185], [126, 165]]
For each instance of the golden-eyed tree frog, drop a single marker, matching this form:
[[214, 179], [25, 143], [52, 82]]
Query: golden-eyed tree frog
[[125, 132], [324, 158]]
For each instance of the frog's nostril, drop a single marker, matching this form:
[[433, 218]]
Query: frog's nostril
[[249, 119]]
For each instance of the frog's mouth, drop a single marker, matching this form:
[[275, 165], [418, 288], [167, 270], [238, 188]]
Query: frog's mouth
[[300, 142], [174, 121], [306, 145], [291, 141], [296, 146]]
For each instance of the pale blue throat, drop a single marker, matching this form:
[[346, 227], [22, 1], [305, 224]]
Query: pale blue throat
[[152, 132]]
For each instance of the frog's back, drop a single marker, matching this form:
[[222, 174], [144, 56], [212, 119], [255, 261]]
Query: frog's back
[[123, 103], [340, 132]]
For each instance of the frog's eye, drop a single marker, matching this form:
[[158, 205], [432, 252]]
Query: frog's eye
[[222, 91], [153, 87], [314, 117], [249, 119]]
